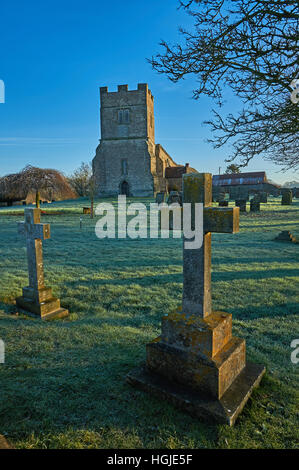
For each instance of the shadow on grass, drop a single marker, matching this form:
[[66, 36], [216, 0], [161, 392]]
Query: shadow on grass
[[269, 226], [250, 275], [7, 307], [178, 278], [95, 398], [263, 311]]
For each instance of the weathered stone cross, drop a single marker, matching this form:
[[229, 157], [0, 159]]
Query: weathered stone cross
[[37, 299], [34, 233], [196, 363], [197, 188]]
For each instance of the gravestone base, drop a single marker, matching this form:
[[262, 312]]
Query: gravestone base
[[40, 304], [198, 357], [223, 411]]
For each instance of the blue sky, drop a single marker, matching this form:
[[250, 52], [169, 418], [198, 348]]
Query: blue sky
[[55, 55]]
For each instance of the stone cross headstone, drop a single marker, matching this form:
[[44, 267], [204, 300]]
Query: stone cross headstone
[[197, 263], [196, 363], [37, 299]]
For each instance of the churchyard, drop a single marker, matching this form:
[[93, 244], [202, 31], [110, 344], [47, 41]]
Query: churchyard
[[63, 381]]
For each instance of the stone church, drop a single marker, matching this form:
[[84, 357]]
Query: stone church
[[128, 161]]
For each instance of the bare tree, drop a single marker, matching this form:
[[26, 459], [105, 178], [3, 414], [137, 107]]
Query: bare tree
[[79, 179], [250, 47]]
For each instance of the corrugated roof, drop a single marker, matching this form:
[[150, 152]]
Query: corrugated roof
[[256, 177]]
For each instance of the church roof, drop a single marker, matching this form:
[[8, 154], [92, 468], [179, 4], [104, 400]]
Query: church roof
[[178, 171]]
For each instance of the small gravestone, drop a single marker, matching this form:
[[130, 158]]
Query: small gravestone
[[241, 203], [37, 299], [255, 205], [287, 197], [221, 199], [285, 236], [263, 197], [160, 197], [196, 363], [174, 198]]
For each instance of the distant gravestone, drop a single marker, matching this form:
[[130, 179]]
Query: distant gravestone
[[174, 198], [287, 197], [241, 203], [160, 197], [196, 363], [263, 197], [37, 299], [255, 205], [285, 236], [221, 199]]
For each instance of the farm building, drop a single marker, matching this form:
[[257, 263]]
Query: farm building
[[242, 185]]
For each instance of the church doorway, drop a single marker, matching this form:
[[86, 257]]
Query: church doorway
[[124, 188]]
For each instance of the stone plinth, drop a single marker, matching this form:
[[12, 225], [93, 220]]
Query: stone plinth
[[199, 353], [198, 365], [203, 407]]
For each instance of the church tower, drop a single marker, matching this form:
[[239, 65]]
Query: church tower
[[125, 161]]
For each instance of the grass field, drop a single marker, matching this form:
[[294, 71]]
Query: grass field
[[63, 382]]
